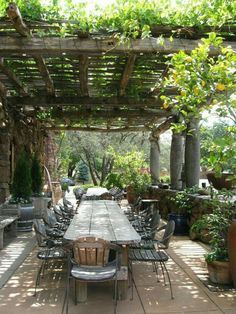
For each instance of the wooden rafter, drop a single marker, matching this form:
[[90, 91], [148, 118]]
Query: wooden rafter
[[55, 46], [83, 75], [73, 115], [86, 102], [14, 78], [45, 74], [15, 16], [93, 129], [126, 74]]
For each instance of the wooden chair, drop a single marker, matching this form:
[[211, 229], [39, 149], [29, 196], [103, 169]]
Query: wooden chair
[[90, 263]]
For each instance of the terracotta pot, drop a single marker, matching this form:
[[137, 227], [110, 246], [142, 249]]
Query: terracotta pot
[[222, 182], [219, 272], [232, 251], [131, 195]]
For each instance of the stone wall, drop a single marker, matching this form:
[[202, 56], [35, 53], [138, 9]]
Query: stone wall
[[15, 135], [200, 203]]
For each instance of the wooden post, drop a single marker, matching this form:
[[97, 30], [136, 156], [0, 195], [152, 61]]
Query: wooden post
[[192, 154], [176, 161]]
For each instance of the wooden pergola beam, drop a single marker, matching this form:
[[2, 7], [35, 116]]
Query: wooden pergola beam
[[73, 115], [14, 78], [85, 102], [40, 62], [126, 74], [55, 46], [101, 130], [83, 75], [15, 16]]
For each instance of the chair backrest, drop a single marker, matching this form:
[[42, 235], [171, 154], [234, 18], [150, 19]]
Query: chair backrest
[[169, 231], [49, 217], [106, 196], [91, 251], [155, 220], [40, 231]]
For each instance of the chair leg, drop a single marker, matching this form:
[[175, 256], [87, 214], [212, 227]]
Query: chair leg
[[37, 281], [75, 288], [163, 273], [155, 267], [131, 280], [171, 291], [115, 295]]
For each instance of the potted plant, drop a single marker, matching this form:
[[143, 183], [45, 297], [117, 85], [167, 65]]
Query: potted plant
[[39, 201], [217, 224], [21, 192], [181, 206]]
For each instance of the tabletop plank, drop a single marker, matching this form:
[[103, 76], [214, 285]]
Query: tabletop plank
[[104, 219]]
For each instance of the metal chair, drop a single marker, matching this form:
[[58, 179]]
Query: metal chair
[[146, 251], [54, 250], [90, 263]]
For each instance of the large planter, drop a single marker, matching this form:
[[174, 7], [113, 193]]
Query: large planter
[[56, 192], [25, 222], [222, 182], [232, 250], [40, 205], [181, 223], [219, 272]]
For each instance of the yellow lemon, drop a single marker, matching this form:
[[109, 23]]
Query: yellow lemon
[[166, 105], [196, 90], [220, 87], [203, 83], [183, 93], [189, 59]]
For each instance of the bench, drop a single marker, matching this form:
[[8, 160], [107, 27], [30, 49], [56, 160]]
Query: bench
[[6, 221]]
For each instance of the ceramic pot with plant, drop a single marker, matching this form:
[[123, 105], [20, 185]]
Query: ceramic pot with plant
[[181, 207], [217, 223]]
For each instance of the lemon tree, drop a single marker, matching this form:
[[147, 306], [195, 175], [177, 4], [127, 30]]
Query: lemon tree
[[201, 80]]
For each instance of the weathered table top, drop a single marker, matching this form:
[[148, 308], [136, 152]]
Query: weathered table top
[[96, 191], [6, 220], [104, 219]]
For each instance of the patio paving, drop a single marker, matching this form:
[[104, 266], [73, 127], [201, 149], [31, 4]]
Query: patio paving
[[19, 265]]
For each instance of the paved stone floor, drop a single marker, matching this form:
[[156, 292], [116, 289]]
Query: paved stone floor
[[18, 267]]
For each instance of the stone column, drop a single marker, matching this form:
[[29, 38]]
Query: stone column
[[176, 161], [154, 159], [192, 154]]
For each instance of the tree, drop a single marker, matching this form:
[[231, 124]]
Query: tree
[[36, 176], [83, 172], [21, 185]]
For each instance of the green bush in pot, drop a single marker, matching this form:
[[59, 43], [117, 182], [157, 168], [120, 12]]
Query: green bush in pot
[[217, 225], [22, 191]]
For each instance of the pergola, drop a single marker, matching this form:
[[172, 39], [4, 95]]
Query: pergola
[[91, 82]]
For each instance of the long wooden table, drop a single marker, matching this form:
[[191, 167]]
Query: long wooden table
[[104, 219]]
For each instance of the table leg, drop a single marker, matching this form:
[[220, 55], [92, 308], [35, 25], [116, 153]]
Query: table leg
[[13, 229], [1, 238], [123, 284], [81, 291]]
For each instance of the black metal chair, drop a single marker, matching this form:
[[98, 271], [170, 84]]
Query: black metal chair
[[54, 251], [90, 263], [153, 251]]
